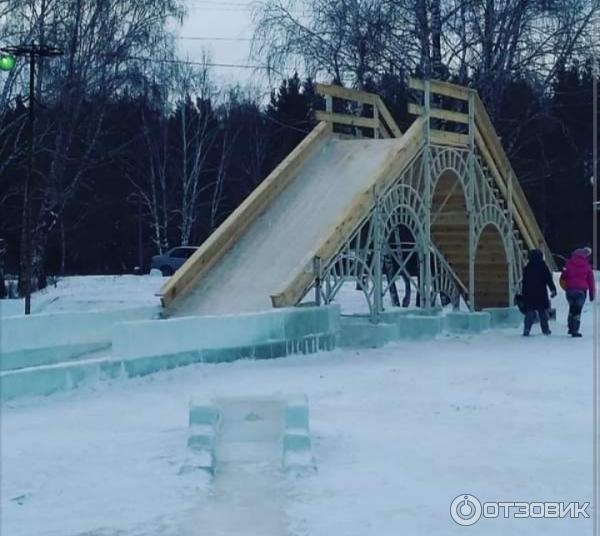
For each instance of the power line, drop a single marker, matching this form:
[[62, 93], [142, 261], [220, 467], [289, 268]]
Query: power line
[[200, 63], [206, 64]]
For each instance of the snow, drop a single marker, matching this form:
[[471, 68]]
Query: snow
[[261, 261], [90, 293], [397, 434]]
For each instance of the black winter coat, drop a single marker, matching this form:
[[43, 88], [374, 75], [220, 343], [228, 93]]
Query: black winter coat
[[536, 280]]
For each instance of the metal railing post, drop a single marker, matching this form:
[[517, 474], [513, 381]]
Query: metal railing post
[[317, 274], [426, 279], [471, 201], [377, 264], [510, 248]]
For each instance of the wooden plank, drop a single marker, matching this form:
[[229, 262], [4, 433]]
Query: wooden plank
[[350, 120], [441, 88], [347, 223], [441, 137], [233, 227], [347, 94], [416, 83], [499, 279], [438, 113], [344, 136], [384, 132], [491, 297], [496, 151], [415, 109], [499, 263], [443, 220], [388, 119]]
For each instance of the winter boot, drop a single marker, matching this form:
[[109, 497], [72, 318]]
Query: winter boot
[[528, 322], [543, 316], [570, 322], [574, 324]]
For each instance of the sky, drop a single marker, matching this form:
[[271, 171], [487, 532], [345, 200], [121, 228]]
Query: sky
[[224, 29]]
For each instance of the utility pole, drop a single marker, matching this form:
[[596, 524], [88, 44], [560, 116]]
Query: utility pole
[[140, 239], [31, 51], [595, 76], [596, 334]]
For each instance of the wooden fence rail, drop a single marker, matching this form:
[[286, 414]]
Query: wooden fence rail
[[382, 123]]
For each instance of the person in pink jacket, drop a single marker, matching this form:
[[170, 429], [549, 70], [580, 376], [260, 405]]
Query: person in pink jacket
[[577, 279]]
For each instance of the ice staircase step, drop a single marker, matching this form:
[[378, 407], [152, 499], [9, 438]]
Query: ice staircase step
[[246, 443], [249, 430], [248, 452]]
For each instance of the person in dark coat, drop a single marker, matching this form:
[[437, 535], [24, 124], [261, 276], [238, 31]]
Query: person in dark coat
[[536, 280]]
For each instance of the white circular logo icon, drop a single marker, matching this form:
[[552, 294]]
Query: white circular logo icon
[[466, 510]]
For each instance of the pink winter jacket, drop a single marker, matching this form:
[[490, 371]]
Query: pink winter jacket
[[578, 274]]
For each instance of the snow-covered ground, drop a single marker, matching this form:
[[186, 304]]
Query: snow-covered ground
[[398, 433], [90, 293]]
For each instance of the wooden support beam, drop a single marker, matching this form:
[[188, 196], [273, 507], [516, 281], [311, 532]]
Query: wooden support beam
[[496, 175], [491, 265], [500, 159], [453, 232], [384, 132], [490, 294], [350, 120], [441, 137], [385, 114], [219, 242], [441, 88], [438, 113], [347, 94]]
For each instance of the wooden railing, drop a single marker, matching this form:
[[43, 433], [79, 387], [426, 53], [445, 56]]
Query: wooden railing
[[498, 163], [482, 134], [433, 93], [382, 123]]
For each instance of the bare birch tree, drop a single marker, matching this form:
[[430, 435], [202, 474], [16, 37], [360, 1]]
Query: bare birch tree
[[484, 40], [99, 41], [341, 39]]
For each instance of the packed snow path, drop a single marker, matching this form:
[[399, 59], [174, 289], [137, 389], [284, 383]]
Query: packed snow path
[[246, 496], [262, 261], [398, 433]]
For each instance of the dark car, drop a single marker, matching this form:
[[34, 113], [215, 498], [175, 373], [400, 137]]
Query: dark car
[[168, 263]]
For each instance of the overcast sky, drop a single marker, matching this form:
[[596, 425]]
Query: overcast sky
[[209, 25]]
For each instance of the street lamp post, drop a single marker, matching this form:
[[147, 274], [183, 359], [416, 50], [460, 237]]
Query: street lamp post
[[31, 51], [595, 75]]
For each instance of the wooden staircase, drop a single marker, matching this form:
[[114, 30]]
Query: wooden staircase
[[450, 226], [496, 183]]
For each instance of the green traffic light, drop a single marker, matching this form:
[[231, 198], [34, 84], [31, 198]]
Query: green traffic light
[[7, 62]]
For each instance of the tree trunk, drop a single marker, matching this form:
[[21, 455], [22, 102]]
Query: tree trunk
[[63, 248], [422, 31], [436, 39]]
